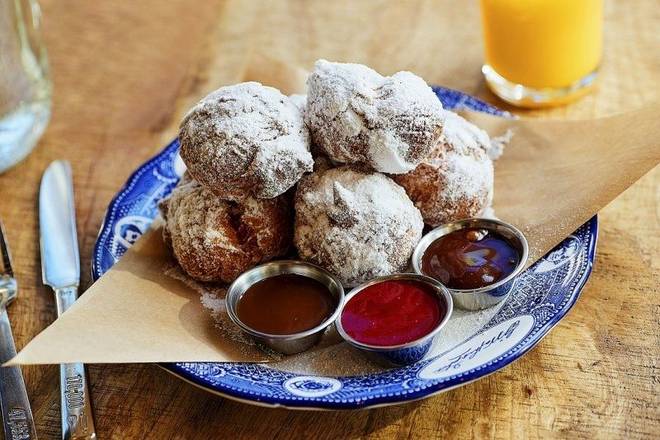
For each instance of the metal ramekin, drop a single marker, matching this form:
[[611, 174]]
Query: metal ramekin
[[297, 342], [487, 296], [411, 352]]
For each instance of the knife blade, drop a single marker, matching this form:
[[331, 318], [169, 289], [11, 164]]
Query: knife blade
[[60, 269], [60, 261]]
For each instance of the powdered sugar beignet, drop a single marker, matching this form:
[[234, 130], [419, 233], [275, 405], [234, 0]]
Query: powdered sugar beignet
[[356, 224], [246, 140], [456, 180], [217, 240], [357, 116]]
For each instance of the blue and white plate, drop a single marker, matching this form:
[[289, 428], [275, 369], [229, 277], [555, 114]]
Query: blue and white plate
[[542, 297]]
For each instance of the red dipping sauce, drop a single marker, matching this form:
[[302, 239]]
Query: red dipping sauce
[[392, 312]]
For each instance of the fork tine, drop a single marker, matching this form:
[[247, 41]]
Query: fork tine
[[5, 256]]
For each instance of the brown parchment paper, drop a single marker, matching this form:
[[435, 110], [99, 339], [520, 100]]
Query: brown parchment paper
[[553, 176]]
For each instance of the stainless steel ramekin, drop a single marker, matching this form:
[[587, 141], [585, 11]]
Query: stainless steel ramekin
[[411, 352], [297, 342], [487, 296]]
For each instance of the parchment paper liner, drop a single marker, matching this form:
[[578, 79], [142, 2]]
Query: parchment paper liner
[[553, 177]]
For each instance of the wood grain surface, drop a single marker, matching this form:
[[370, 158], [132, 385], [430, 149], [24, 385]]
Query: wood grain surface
[[123, 74]]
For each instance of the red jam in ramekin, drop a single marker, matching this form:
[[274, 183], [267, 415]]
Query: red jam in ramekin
[[392, 312]]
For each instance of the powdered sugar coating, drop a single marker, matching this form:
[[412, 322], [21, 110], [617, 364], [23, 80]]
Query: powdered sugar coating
[[299, 101], [456, 180], [216, 240], [246, 140], [358, 116], [356, 224]]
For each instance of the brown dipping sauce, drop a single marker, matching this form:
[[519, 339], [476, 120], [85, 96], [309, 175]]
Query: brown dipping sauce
[[285, 304], [470, 258]]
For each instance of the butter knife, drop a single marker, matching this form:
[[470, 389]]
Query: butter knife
[[60, 269]]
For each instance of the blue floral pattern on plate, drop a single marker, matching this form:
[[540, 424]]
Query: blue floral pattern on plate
[[543, 294]]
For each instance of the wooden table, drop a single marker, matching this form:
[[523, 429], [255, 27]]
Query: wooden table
[[123, 75]]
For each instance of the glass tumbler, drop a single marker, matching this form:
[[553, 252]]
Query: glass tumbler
[[24, 82], [541, 52]]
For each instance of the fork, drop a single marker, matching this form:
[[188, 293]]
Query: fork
[[16, 412]]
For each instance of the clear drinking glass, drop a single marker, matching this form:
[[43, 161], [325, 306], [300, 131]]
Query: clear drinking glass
[[24, 81]]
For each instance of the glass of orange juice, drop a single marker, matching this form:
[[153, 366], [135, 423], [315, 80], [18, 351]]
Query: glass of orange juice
[[541, 52]]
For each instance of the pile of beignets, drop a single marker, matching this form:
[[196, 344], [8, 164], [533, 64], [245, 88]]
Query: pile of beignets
[[349, 175]]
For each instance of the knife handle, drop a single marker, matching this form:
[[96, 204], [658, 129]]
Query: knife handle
[[16, 412], [77, 416]]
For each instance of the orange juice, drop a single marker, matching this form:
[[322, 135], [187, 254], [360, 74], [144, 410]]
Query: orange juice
[[542, 44]]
